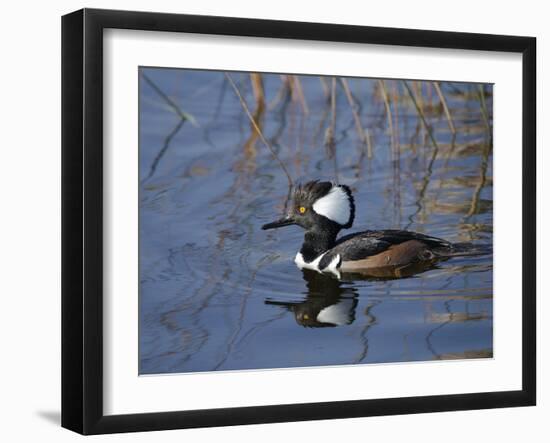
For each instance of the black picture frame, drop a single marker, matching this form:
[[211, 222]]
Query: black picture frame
[[82, 220]]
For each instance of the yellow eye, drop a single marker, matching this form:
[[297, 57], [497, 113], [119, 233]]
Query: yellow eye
[[302, 209]]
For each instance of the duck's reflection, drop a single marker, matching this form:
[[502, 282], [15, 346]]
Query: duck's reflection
[[328, 302]]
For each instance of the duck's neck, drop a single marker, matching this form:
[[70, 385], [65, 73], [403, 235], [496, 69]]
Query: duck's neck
[[317, 242]]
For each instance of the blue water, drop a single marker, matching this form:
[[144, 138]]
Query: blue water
[[218, 293]]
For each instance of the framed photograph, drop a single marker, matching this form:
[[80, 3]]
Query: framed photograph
[[270, 221]]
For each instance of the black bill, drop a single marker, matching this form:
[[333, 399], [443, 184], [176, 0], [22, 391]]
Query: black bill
[[286, 221]]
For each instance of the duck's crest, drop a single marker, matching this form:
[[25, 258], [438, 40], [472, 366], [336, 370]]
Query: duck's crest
[[334, 202]]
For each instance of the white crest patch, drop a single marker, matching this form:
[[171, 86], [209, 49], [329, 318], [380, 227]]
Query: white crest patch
[[335, 205]]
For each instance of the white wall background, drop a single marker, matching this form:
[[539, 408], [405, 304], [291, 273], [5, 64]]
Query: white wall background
[[30, 218]]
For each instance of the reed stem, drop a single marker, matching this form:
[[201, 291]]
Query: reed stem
[[257, 128], [300, 93], [445, 107], [421, 114], [353, 105], [168, 100], [388, 111], [483, 105]]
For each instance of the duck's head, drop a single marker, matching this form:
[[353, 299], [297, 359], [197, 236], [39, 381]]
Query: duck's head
[[319, 205]]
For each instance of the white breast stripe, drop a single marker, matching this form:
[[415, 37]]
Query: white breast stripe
[[314, 265], [334, 206], [333, 265]]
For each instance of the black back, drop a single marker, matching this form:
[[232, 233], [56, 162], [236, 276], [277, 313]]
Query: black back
[[361, 245]]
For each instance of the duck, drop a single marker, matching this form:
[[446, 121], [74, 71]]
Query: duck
[[324, 208]]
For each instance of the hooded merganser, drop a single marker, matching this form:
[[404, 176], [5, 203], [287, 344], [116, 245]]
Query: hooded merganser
[[324, 208]]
